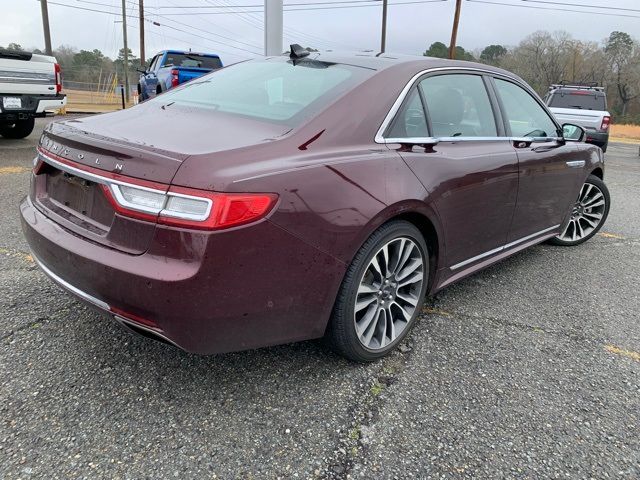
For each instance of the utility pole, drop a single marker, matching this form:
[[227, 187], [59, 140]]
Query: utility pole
[[383, 40], [126, 49], [141, 11], [272, 27], [45, 25], [454, 30]]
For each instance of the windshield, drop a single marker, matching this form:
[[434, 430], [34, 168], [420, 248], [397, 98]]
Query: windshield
[[275, 91], [581, 99], [192, 60]]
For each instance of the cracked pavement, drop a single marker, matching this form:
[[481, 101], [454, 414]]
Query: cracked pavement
[[529, 369]]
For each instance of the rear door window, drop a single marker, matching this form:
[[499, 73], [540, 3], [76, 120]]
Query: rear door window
[[525, 116], [411, 121], [458, 105]]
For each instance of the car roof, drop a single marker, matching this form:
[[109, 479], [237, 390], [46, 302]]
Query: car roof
[[377, 61]]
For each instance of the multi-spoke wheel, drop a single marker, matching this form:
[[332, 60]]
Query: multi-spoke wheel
[[381, 294], [588, 214]]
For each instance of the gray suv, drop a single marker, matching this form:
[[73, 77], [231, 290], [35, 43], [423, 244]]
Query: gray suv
[[584, 105]]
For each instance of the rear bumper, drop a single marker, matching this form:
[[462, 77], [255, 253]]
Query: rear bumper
[[597, 138], [230, 291], [33, 106]]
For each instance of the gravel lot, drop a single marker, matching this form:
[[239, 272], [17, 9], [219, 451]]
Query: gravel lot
[[530, 369]]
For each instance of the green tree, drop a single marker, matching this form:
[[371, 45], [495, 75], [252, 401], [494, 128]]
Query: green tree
[[14, 46], [492, 54], [624, 59], [438, 50], [85, 58]]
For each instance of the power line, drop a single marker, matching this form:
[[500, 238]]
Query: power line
[[553, 9], [584, 5], [168, 26], [312, 8]]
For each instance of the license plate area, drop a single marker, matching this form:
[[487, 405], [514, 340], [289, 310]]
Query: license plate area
[[80, 198], [11, 103]]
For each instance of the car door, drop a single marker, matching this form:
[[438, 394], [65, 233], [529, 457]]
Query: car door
[[150, 78], [549, 168], [471, 173]]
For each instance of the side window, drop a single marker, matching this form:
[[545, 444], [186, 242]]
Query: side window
[[154, 61], [525, 115], [458, 105], [411, 120]]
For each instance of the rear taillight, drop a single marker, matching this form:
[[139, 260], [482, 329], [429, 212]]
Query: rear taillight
[[606, 121], [58, 74], [187, 207], [174, 78]]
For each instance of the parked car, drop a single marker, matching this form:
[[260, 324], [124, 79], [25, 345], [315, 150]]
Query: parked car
[[284, 199], [171, 68], [30, 85], [583, 105]]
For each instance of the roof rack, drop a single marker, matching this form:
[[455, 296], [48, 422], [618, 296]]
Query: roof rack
[[578, 85]]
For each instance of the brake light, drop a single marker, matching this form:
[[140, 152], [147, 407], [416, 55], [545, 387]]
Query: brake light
[[189, 208], [606, 121], [58, 74], [174, 78]]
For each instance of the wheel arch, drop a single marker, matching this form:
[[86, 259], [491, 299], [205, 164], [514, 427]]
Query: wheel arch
[[423, 217], [598, 172]]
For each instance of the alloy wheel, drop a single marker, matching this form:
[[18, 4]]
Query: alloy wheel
[[587, 214], [389, 293]]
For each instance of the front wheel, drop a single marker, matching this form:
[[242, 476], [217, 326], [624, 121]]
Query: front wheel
[[19, 129], [381, 294], [588, 214]]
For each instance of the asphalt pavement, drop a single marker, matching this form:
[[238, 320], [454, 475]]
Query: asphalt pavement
[[529, 369]]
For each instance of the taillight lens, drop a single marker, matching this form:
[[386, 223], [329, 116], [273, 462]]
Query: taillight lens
[[174, 78], [58, 74], [189, 208], [606, 121]]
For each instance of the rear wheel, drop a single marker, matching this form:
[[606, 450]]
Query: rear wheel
[[381, 294], [588, 214], [19, 129]]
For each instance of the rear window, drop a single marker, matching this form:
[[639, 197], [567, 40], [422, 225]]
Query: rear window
[[191, 60], [269, 90], [581, 99]]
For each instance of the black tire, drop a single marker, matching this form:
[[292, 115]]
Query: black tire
[[595, 181], [341, 333], [20, 129]]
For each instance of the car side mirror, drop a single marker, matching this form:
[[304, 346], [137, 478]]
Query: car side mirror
[[573, 133]]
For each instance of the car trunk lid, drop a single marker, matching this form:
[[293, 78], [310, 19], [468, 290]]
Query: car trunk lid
[[139, 146]]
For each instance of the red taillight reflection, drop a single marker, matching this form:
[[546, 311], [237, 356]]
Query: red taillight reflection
[[606, 121], [58, 74], [174, 78]]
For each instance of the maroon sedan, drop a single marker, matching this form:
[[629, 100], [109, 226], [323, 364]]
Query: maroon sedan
[[286, 199]]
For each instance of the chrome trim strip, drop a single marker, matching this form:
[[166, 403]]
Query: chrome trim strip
[[576, 164], [111, 184], [396, 105], [67, 286], [502, 248], [92, 176]]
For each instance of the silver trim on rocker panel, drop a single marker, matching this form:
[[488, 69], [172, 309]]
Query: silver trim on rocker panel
[[502, 248]]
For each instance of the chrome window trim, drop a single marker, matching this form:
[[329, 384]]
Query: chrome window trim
[[112, 185], [379, 138], [67, 286], [502, 248]]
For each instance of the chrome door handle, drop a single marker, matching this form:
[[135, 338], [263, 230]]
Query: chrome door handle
[[576, 164]]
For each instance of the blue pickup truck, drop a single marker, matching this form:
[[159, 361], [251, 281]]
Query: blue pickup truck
[[170, 68]]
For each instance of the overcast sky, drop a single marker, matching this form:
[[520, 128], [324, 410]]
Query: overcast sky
[[411, 27]]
